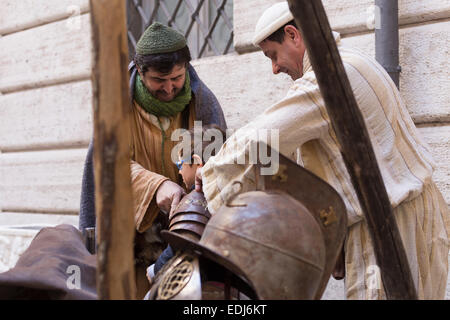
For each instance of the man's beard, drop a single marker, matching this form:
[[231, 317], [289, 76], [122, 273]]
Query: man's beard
[[164, 96]]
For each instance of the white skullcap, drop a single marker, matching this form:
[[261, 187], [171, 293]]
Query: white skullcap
[[271, 20]]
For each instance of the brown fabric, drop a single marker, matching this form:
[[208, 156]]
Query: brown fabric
[[42, 271], [146, 164], [146, 177], [144, 185]]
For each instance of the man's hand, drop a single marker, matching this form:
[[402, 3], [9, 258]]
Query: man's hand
[[168, 196], [198, 180]]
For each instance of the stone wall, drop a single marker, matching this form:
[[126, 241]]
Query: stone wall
[[45, 116]]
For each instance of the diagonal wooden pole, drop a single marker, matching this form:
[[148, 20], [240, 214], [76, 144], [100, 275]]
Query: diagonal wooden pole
[[113, 199], [357, 151]]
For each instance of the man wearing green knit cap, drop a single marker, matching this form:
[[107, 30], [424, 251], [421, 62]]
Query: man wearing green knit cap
[[167, 95], [167, 77]]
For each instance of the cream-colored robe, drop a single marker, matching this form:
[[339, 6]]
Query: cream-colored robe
[[306, 136], [146, 160]]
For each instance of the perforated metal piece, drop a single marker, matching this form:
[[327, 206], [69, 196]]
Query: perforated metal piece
[[176, 280]]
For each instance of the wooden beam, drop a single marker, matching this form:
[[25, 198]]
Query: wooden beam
[[357, 150], [113, 199]]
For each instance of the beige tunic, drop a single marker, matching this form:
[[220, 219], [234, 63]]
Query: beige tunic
[[306, 136], [146, 160]]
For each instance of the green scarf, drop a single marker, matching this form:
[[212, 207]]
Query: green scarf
[[160, 108]]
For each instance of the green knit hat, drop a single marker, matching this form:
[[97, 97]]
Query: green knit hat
[[159, 38]]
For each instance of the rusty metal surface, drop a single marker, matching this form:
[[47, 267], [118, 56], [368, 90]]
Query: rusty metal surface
[[187, 234], [322, 201], [273, 239], [284, 240], [192, 202], [194, 227], [193, 217]]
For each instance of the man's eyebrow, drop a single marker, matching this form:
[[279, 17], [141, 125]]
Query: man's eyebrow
[[157, 78], [268, 53]]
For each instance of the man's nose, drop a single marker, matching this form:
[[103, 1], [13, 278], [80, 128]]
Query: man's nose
[[168, 86], [275, 68]]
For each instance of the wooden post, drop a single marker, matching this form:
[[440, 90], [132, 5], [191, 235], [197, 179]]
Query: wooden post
[[113, 199], [357, 151]]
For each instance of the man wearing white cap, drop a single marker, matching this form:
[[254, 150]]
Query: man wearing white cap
[[306, 136]]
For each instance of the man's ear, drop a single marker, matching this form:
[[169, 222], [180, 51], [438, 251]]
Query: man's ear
[[140, 72], [197, 160], [292, 33]]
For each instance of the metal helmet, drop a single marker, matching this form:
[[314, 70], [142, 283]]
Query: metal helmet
[[193, 276], [190, 216], [321, 199], [283, 241]]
